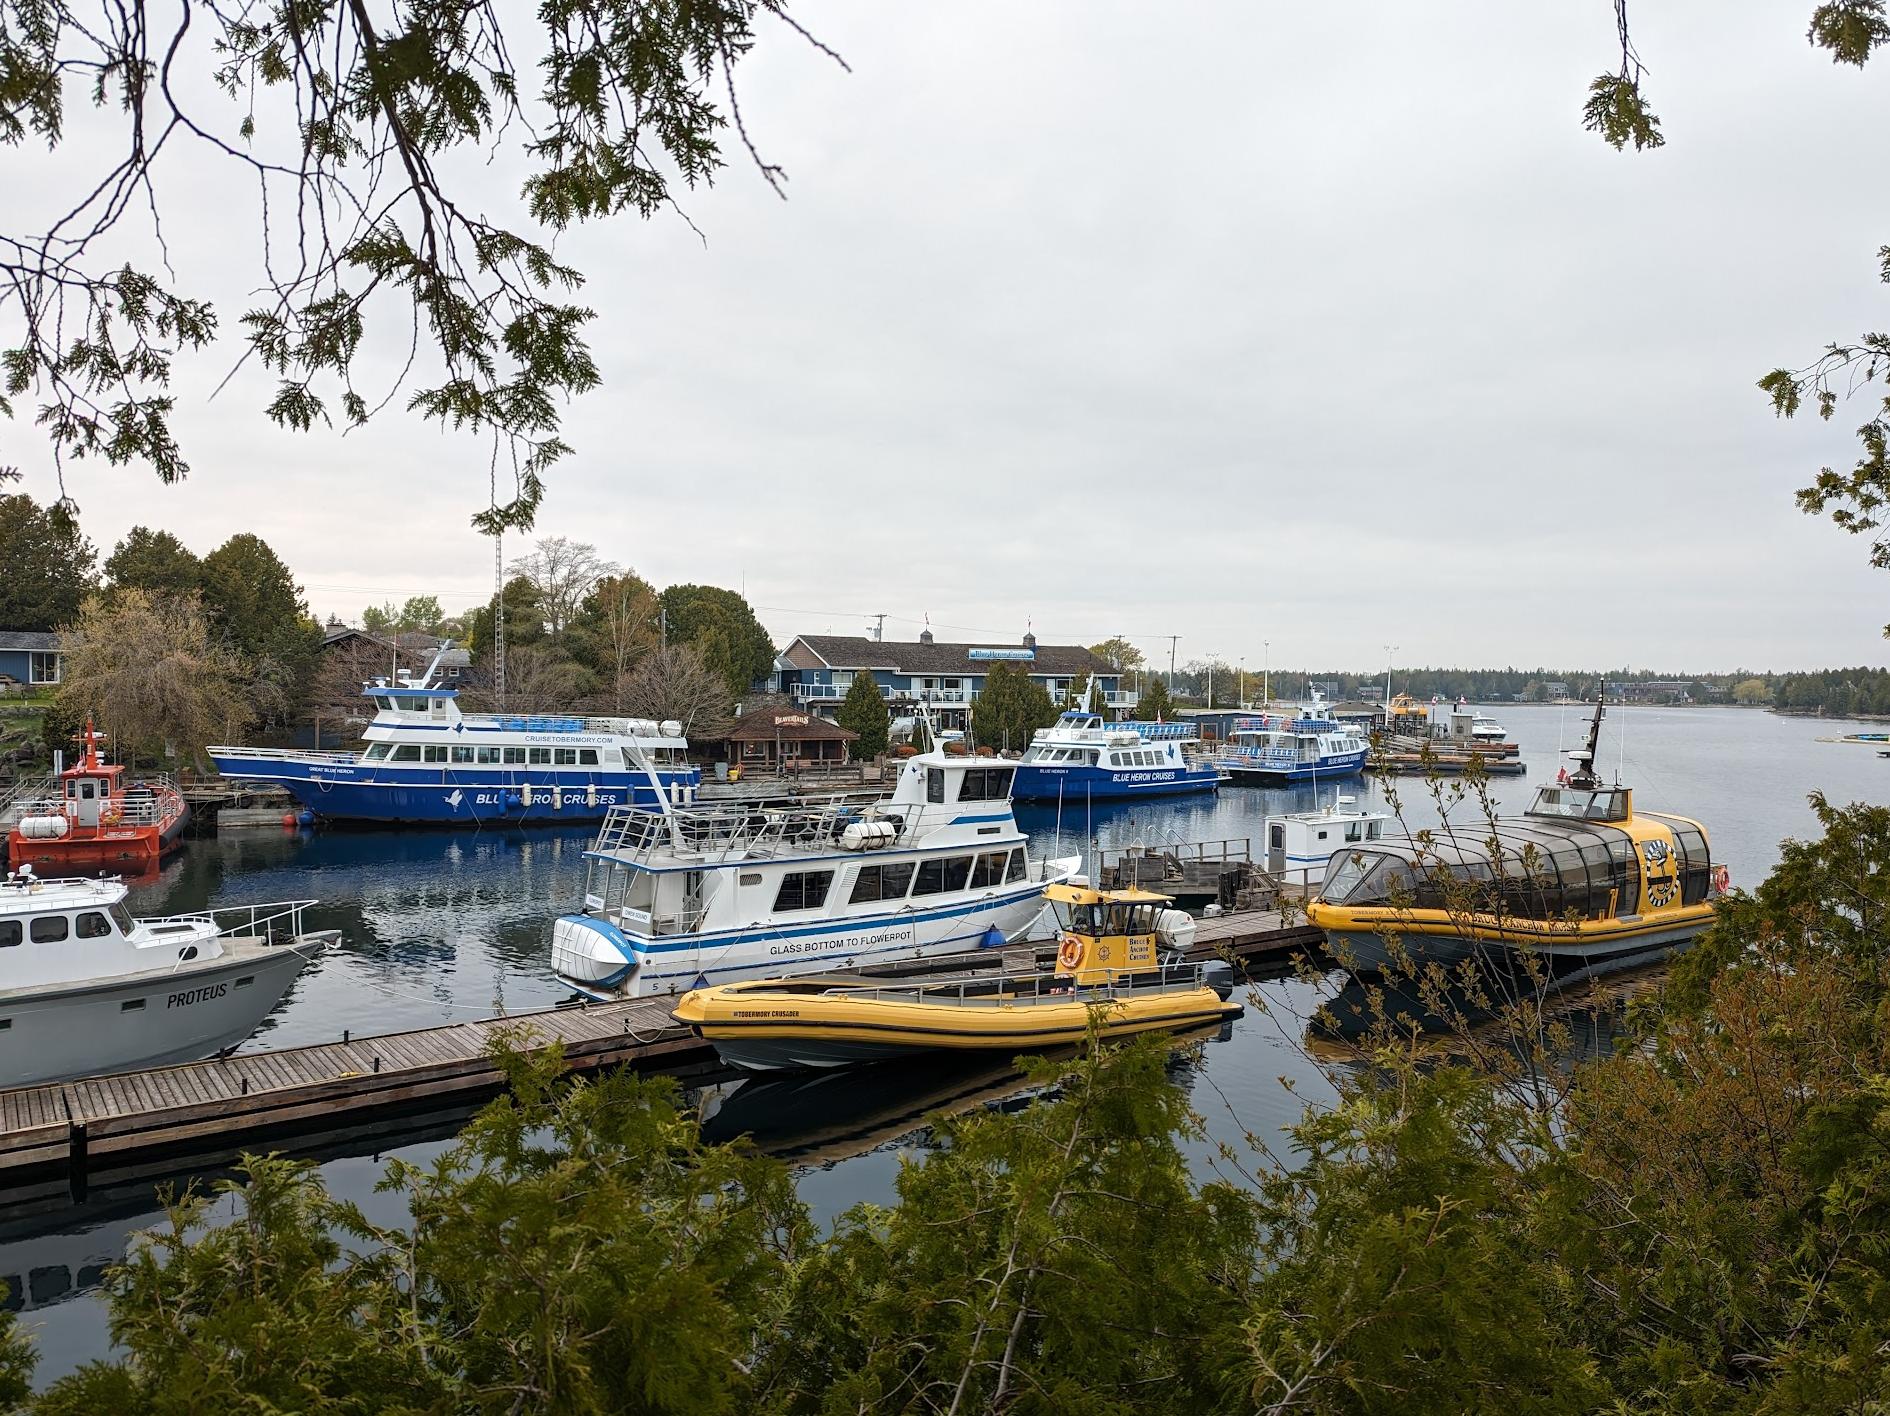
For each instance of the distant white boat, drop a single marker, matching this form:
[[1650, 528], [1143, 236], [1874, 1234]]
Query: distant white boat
[[89, 989]]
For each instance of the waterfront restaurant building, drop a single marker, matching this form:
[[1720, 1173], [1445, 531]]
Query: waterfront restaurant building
[[816, 670], [776, 738]]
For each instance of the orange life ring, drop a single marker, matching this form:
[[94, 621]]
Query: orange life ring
[[1722, 879], [1070, 952]]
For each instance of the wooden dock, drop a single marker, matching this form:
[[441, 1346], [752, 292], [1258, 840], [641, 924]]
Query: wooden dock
[[66, 1130], [55, 1140]]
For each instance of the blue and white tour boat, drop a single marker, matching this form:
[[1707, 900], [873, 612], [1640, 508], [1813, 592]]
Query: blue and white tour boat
[[1083, 758], [691, 896], [1274, 748], [423, 760]]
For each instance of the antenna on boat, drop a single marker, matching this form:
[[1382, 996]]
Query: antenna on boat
[[1584, 773]]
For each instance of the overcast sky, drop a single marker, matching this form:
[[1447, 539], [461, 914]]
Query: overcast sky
[[1323, 327]]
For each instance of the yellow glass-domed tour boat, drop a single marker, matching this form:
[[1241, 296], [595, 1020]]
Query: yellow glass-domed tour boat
[[1109, 970], [1581, 875]]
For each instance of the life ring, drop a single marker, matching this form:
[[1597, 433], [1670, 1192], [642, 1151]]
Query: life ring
[[1722, 879], [111, 814], [1070, 952]]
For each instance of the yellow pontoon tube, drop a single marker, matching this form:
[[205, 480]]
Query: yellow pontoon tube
[[1113, 979]]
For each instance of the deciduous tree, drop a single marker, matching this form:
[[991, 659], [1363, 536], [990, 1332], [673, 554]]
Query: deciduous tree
[[155, 674], [563, 572], [616, 627], [678, 683]]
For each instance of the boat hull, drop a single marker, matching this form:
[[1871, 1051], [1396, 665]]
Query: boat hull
[[1365, 948], [844, 1031], [456, 796], [602, 962], [146, 1020], [1079, 783], [1348, 765]]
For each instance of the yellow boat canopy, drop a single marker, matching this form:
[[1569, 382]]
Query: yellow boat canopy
[[1063, 894]]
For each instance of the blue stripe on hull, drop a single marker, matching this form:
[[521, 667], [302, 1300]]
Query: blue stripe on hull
[[1034, 783], [436, 798]]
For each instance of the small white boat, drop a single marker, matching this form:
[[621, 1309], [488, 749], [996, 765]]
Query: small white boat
[[1301, 843], [88, 989], [695, 896]]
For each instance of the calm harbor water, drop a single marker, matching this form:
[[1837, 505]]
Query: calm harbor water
[[439, 927]]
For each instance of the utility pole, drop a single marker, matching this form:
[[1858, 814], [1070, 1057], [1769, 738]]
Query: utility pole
[[879, 629], [498, 621], [1173, 640], [662, 624], [1266, 674], [1390, 649]]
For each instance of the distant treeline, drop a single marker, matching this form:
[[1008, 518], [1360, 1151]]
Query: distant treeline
[[1838, 693], [1538, 685]]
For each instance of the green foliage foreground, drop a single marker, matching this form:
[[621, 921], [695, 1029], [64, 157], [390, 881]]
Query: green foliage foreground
[[1702, 1224]]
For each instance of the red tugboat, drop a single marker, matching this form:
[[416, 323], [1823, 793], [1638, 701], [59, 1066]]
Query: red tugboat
[[100, 818]]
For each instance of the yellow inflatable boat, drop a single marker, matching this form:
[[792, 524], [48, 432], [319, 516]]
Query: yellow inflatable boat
[[1108, 973]]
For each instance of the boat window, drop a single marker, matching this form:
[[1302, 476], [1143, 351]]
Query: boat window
[[48, 929], [539, 756], [803, 890], [986, 784], [1019, 867], [936, 876], [122, 918], [989, 870], [564, 756], [462, 754], [935, 784], [93, 925], [1354, 831], [515, 757], [487, 755], [10, 933], [377, 753], [1090, 757], [437, 754], [406, 752], [881, 882], [1345, 875], [587, 757]]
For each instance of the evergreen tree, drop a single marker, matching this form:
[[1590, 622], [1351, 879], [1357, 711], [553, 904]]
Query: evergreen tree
[[45, 565], [864, 711], [155, 561], [258, 608], [720, 624], [1156, 706], [1010, 709]]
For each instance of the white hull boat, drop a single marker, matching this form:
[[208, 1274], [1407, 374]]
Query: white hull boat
[[90, 990]]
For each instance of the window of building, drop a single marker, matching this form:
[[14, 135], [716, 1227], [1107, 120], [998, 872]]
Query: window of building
[[938, 876], [540, 756], [989, 870], [405, 752], [43, 667], [93, 925], [881, 882], [462, 754], [515, 757], [48, 929], [587, 757], [803, 890]]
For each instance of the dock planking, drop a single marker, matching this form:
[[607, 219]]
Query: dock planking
[[233, 1101]]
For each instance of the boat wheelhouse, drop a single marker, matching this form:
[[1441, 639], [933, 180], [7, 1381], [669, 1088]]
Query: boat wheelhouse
[[1271, 748], [1083, 758], [89, 989], [1300, 844], [689, 896], [424, 760], [1580, 875]]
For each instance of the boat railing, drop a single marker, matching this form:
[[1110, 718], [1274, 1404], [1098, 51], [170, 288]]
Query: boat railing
[[642, 729], [738, 830], [284, 754], [263, 921]]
